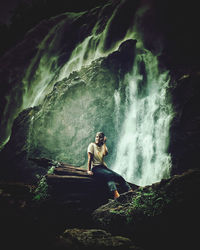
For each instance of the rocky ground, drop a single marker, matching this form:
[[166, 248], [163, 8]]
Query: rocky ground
[[69, 210]]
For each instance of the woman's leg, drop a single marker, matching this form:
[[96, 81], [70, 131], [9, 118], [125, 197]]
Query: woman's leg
[[103, 174], [110, 177], [119, 179]]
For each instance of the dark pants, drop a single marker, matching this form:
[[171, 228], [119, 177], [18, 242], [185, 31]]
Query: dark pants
[[104, 174]]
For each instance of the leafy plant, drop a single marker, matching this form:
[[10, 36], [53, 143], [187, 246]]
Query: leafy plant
[[41, 192]]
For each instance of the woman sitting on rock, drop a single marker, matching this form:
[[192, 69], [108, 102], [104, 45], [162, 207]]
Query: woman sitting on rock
[[97, 167]]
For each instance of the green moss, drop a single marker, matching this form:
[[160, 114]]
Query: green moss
[[42, 188], [148, 203]]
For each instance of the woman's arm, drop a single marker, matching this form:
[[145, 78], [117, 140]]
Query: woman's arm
[[90, 156], [105, 149]]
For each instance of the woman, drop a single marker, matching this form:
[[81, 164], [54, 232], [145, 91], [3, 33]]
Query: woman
[[98, 168]]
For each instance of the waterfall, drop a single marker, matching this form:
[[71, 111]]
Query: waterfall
[[55, 59], [142, 156], [117, 100], [142, 112], [48, 72], [42, 73], [93, 46]]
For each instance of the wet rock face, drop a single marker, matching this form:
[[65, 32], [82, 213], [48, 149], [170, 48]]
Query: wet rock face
[[71, 115], [121, 61], [67, 121], [53, 38], [14, 157], [78, 107], [13, 67], [171, 28], [184, 135]]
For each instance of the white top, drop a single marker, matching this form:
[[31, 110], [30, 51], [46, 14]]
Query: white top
[[98, 154]]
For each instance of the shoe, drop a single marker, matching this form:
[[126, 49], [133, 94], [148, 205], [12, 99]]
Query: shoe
[[131, 190], [116, 194]]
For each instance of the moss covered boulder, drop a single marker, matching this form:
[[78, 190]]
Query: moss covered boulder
[[156, 216]]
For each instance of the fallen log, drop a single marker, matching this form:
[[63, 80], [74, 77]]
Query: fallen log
[[69, 170], [69, 181], [73, 194]]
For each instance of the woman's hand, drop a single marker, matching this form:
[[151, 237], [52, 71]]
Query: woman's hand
[[104, 139], [89, 172]]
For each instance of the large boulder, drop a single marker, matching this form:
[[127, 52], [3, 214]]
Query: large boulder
[[65, 198], [165, 210], [164, 215], [97, 239], [62, 127], [72, 187]]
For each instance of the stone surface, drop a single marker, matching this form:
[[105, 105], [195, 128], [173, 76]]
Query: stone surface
[[21, 65], [16, 165], [165, 210], [95, 239], [121, 61], [184, 133], [13, 67], [61, 128], [72, 185]]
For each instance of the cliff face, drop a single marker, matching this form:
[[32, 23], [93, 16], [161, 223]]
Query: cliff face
[[185, 144]]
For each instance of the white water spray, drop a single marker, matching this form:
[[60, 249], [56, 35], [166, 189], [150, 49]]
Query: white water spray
[[142, 156], [92, 47], [37, 86], [117, 109], [47, 73]]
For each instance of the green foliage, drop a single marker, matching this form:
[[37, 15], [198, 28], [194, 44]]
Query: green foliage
[[151, 203], [41, 192], [146, 203]]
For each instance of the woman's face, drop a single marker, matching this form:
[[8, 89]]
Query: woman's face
[[98, 139]]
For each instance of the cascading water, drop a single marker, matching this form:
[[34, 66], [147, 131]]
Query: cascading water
[[142, 156], [44, 65], [45, 68], [141, 152], [48, 72], [93, 46]]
